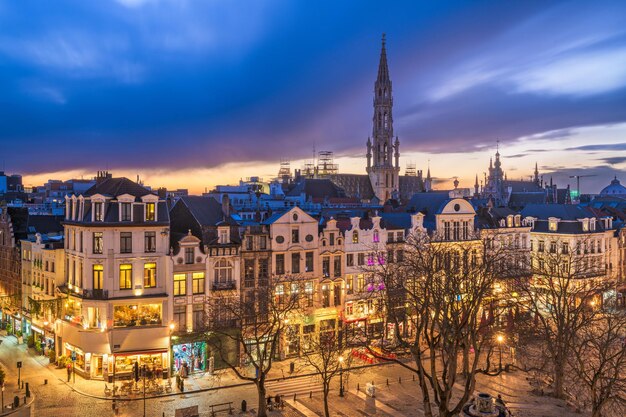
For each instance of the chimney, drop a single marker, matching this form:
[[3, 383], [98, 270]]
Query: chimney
[[226, 205]]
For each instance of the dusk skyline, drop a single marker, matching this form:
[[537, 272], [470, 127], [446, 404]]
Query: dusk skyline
[[191, 95]]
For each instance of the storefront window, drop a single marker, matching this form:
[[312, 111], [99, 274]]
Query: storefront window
[[137, 315], [190, 357], [154, 362]]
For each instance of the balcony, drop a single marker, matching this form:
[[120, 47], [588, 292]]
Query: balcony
[[96, 294], [224, 286]]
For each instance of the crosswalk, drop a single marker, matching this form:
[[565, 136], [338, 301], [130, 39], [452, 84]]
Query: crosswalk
[[290, 386]]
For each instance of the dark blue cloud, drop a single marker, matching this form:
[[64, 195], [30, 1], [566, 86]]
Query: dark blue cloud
[[165, 83]]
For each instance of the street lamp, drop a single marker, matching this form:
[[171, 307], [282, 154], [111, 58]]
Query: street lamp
[[500, 339], [341, 376]]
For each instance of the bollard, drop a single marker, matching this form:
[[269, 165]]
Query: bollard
[[357, 387], [16, 401], [310, 394], [45, 382], [22, 384], [399, 380], [27, 390], [24, 399], [244, 406], [294, 397], [413, 377], [387, 381]]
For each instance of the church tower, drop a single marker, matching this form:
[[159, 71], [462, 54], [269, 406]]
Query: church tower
[[383, 153]]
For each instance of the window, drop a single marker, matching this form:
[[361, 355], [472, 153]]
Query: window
[[308, 262], [262, 242], [337, 295], [337, 266], [361, 259], [180, 317], [332, 239], [150, 212], [149, 275], [223, 271], [446, 230], [280, 294], [280, 264], [137, 315], [349, 284], [456, 231], [542, 246], [248, 242], [180, 287], [80, 247], [350, 259], [308, 293], [295, 235], [150, 241], [198, 316], [126, 242], [126, 212], [465, 230], [295, 263], [98, 277], [390, 236], [553, 247], [98, 212], [565, 248], [355, 237], [263, 268], [325, 296], [376, 238], [326, 266], [197, 283], [189, 255], [399, 236], [97, 242], [248, 272], [224, 238], [400, 256], [390, 256], [126, 277]]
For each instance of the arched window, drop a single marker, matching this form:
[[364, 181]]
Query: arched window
[[376, 237], [355, 237], [223, 271], [380, 120], [386, 121]]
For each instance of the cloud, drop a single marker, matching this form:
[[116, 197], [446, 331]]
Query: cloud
[[600, 147], [615, 160]]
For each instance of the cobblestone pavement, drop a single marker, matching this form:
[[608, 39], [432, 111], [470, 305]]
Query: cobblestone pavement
[[397, 394]]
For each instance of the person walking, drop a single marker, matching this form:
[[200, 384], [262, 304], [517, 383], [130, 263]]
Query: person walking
[[69, 372]]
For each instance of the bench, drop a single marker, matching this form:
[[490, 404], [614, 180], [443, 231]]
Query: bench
[[218, 408]]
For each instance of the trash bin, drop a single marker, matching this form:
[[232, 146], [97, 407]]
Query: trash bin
[[292, 367], [244, 406]]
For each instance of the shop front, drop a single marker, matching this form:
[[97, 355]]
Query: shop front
[[190, 357], [89, 347], [120, 365]]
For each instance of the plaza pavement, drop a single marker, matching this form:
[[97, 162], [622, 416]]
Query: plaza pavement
[[401, 397]]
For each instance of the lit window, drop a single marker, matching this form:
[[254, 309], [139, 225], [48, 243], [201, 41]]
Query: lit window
[[198, 283], [150, 212], [149, 275], [126, 277], [180, 287]]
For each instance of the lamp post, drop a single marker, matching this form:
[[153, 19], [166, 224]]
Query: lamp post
[[2, 397], [500, 339], [341, 376]]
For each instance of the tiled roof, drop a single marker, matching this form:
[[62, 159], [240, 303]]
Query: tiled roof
[[206, 210], [561, 211], [114, 187]]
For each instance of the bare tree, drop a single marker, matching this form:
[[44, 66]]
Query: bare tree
[[254, 324], [326, 355], [563, 295], [598, 361], [433, 299]]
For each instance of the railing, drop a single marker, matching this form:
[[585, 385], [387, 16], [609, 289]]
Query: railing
[[96, 294], [220, 286]]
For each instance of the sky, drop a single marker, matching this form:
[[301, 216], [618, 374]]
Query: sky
[[191, 94]]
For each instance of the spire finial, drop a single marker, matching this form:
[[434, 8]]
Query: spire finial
[[384, 40]]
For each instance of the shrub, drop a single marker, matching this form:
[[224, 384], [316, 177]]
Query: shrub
[[61, 361], [18, 333], [52, 355], [30, 341]]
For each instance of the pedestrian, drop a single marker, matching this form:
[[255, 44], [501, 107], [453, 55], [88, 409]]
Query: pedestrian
[[69, 372]]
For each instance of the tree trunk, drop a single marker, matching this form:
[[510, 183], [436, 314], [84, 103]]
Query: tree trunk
[[466, 361], [559, 380], [262, 400], [326, 389]]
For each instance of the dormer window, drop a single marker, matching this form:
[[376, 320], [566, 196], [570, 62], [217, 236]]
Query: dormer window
[[509, 221], [98, 212], [224, 237], [553, 224], [592, 225], [355, 237], [126, 212], [376, 237], [585, 225], [150, 212]]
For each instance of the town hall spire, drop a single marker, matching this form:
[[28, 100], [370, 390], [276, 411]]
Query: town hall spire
[[385, 168]]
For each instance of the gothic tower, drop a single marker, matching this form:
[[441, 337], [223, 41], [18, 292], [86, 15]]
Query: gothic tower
[[384, 170]]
